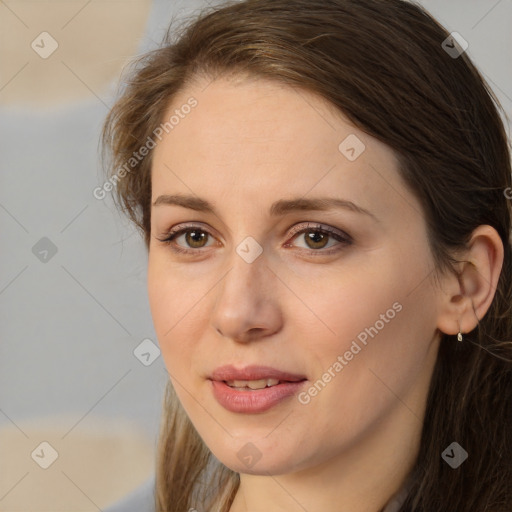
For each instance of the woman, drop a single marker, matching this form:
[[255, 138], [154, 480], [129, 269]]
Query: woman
[[321, 186]]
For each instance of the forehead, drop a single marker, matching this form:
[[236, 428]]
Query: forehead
[[255, 141]]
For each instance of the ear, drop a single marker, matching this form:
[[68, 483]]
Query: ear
[[468, 295]]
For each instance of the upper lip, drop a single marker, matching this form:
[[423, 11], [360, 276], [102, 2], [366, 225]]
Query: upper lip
[[229, 372]]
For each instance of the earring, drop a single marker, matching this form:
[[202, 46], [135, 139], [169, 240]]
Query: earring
[[459, 335]]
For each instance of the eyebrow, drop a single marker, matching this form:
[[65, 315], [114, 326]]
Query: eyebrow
[[279, 207]]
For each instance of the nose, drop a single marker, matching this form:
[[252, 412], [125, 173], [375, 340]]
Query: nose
[[247, 304]]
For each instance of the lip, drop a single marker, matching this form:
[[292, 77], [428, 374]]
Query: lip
[[254, 401], [253, 372]]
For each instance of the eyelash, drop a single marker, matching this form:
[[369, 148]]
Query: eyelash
[[341, 237]]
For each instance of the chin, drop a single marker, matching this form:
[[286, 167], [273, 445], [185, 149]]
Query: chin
[[256, 458]]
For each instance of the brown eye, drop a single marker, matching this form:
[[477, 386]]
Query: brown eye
[[196, 238], [316, 238]]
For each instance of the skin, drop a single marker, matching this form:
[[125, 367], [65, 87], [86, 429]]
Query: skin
[[248, 143]]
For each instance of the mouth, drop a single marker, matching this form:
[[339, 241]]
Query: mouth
[[253, 389]]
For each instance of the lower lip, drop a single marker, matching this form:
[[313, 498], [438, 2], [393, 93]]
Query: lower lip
[[254, 401]]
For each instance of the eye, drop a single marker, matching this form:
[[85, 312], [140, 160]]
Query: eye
[[194, 236], [317, 238]]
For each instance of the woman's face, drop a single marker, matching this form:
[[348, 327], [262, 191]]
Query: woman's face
[[343, 319]]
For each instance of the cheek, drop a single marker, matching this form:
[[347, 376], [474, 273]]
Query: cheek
[[175, 304], [380, 321], [165, 304], [158, 294], [167, 294], [347, 304]]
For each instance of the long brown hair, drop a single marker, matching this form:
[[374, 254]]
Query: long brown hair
[[383, 64]]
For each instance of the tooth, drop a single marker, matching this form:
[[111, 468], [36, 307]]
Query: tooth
[[257, 384], [240, 383], [252, 384]]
